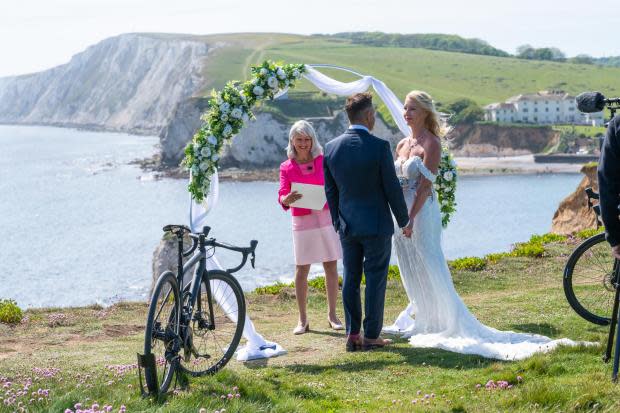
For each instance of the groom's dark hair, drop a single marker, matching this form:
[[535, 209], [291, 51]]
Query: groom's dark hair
[[357, 105]]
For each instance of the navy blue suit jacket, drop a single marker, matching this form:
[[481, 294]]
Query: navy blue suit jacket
[[361, 185]]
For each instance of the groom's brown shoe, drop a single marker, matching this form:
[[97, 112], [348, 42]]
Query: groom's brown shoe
[[373, 343], [354, 343]]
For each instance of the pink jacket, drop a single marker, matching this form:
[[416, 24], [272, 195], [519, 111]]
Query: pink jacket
[[291, 172]]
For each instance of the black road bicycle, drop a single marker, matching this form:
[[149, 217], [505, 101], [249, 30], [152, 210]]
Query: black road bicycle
[[192, 328]]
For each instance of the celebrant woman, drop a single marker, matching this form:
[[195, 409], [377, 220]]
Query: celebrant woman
[[314, 238]]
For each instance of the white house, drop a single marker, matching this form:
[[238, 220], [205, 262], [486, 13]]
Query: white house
[[544, 107]]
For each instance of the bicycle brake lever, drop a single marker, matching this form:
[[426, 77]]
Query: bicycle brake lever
[[252, 260]]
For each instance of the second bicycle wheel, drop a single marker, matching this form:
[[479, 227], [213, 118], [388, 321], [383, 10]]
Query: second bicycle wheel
[[211, 346], [589, 280]]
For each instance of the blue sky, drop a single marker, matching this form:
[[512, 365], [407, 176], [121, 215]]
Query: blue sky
[[39, 34]]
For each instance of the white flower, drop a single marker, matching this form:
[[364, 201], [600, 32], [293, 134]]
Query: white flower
[[245, 117], [258, 91], [225, 107], [196, 150], [452, 163], [254, 81], [212, 140], [215, 157], [281, 73], [437, 187], [206, 152], [204, 166], [448, 176], [263, 71], [227, 130], [449, 188], [195, 169], [286, 82], [236, 113], [243, 97], [296, 74], [272, 82], [224, 117]]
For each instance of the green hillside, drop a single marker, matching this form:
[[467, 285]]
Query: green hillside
[[446, 75]]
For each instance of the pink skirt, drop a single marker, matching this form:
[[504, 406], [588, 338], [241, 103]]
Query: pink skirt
[[314, 238]]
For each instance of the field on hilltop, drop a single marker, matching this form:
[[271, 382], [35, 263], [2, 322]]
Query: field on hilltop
[[445, 75]]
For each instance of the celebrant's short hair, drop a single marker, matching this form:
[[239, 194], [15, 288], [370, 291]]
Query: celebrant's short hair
[[357, 104], [301, 127]]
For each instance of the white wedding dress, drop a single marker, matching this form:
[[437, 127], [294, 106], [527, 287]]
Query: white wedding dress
[[436, 316]]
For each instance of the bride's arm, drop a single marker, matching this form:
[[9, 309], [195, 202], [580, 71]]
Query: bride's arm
[[432, 157]]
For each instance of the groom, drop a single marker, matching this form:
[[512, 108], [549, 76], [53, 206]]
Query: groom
[[361, 188]]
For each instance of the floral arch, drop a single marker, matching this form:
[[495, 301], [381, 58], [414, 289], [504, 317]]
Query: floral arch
[[231, 108]]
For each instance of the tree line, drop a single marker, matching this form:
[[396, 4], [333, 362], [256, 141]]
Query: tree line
[[454, 43]]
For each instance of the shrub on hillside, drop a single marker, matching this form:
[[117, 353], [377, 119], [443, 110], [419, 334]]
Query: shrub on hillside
[[547, 238], [318, 283], [273, 289], [589, 232], [469, 264], [495, 257], [528, 249], [10, 313]]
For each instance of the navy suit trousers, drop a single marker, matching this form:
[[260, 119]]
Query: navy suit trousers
[[369, 255]]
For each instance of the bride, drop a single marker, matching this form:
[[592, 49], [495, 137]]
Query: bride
[[436, 316]]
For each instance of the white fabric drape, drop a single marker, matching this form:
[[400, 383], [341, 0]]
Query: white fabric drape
[[256, 346], [329, 85]]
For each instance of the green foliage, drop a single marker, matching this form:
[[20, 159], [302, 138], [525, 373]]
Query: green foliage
[[613, 61], [299, 105], [10, 313], [495, 257], [543, 53], [273, 289], [318, 283], [447, 42], [528, 249], [589, 232], [547, 238], [469, 264], [384, 113], [393, 273], [464, 110]]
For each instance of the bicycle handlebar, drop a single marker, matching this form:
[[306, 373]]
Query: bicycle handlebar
[[180, 230]]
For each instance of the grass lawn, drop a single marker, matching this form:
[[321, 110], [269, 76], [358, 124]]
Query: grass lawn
[[93, 349]]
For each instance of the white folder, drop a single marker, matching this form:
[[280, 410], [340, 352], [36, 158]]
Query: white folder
[[312, 196]]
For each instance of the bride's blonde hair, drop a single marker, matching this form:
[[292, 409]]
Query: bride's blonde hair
[[433, 122]]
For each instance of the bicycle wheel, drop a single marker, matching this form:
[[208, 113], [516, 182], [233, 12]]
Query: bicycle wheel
[[589, 280], [161, 336], [210, 347]]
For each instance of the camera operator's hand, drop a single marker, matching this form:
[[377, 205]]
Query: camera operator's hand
[[615, 251]]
